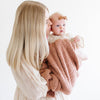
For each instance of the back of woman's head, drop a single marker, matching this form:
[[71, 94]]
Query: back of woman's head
[[28, 36]]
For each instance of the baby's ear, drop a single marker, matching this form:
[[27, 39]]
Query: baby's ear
[[50, 19]]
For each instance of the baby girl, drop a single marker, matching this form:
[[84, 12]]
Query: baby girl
[[60, 68], [59, 30]]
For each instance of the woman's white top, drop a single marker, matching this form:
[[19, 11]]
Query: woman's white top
[[30, 85]]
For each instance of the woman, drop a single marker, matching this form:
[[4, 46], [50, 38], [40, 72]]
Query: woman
[[27, 49]]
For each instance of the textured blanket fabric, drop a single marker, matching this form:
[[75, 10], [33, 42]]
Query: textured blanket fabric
[[60, 69]]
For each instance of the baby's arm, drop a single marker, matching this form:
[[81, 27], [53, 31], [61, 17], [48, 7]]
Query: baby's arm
[[78, 44]]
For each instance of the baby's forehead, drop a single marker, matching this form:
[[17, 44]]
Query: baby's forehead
[[57, 21]]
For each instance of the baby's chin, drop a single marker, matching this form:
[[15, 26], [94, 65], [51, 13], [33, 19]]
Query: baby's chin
[[61, 33]]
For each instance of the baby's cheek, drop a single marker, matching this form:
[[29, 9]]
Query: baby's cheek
[[57, 31], [54, 29], [64, 30]]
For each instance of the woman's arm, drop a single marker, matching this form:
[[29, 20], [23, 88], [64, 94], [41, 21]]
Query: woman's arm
[[52, 81], [30, 82]]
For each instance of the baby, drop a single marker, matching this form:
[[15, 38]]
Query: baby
[[59, 30], [58, 23], [60, 69]]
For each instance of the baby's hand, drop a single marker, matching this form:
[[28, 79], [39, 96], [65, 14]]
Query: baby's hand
[[78, 42]]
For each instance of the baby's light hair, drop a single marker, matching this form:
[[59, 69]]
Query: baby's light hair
[[57, 16]]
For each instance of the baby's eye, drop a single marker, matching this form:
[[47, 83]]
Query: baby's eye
[[57, 25], [63, 24]]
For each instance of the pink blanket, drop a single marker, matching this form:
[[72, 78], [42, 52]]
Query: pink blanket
[[60, 69]]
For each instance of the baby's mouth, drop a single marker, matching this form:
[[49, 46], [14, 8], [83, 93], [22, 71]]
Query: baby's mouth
[[61, 31]]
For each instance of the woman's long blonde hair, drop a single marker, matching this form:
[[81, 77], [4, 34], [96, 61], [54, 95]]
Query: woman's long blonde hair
[[28, 36]]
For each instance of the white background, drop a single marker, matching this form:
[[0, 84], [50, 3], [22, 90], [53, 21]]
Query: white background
[[84, 19]]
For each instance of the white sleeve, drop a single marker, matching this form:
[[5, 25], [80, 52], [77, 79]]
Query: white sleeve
[[30, 82], [81, 54]]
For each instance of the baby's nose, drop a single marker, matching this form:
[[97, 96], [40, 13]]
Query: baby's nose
[[61, 27]]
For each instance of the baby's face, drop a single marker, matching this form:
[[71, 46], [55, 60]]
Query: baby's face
[[58, 27]]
